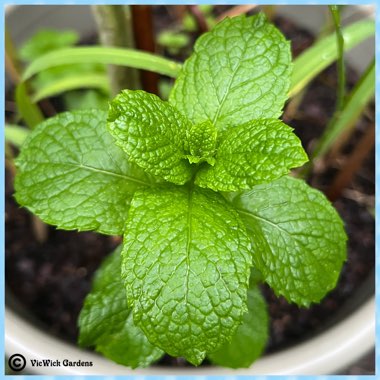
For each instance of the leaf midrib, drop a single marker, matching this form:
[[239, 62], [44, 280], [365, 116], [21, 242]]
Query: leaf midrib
[[97, 170], [225, 95], [294, 237], [254, 216], [189, 237]]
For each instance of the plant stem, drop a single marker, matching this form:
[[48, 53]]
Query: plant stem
[[297, 99], [341, 124], [105, 55], [293, 105], [40, 229], [29, 111], [270, 11], [354, 107], [236, 11], [12, 66], [9, 159], [345, 119], [144, 38], [15, 134], [316, 58], [115, 29], [199, 18], [352, 165], [335, 12]]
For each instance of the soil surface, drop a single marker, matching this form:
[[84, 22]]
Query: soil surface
[[51, 278]]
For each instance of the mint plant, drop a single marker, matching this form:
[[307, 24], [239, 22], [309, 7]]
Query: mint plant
[[199, 188]]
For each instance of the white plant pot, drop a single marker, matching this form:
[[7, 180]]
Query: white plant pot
[[327, 353]]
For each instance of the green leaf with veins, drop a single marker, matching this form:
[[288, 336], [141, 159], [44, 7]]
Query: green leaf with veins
[[259, 151], [201, 140], [250, 338], [298, 239], [152, 132], [238, 72], [73, 176], [106, 322], [186, 264]]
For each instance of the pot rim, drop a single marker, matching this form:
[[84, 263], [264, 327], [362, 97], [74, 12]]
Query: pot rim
[[326, 353]]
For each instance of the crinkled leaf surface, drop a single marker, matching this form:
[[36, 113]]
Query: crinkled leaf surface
[[201, 140], [250, 338], [106, 321], [259, 151], [71, 174], [298, 239], [152, 132], [186, 266], [238, 72]]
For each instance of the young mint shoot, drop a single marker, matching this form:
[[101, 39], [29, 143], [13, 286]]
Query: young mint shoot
[[199, 188]]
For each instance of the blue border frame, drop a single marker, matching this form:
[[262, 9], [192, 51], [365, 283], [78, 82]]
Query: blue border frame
[[176, 2]]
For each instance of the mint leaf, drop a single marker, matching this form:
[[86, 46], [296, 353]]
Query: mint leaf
[[238, 72], [186, 265], [250, 338], [202, 143], [106, 322], [71, 174], [298, 239], [152, 132], [259, 151]]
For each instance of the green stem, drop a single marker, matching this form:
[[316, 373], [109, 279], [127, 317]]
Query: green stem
[[105, 55], [15, 134], [12, 65], [28, 110], [73, 82], [335, 12], [315, 59], [343, 122], [115, 30]]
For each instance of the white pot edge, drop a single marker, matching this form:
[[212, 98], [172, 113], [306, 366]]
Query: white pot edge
[[327, 353]]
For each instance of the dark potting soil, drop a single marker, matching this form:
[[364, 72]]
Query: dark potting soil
[[52, 278]]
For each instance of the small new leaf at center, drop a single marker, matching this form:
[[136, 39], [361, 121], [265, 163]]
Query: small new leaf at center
[[201, 140], [152, 132], [256, 152]]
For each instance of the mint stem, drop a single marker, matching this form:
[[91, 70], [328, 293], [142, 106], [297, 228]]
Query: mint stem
[[114, 27]]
